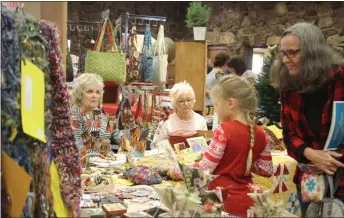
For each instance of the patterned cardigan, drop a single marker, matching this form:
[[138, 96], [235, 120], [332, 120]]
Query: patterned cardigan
[[85, 123]]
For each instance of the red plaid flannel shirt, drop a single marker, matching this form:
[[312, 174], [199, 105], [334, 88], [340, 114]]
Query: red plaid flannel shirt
[[296, 132]]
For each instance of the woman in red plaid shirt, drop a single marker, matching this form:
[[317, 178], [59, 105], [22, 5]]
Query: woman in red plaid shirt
[[310, 76]]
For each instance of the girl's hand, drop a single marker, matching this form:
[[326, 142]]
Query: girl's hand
[[324, 161]]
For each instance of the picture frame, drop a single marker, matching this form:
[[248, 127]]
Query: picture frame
[[197, 144], [178, 147]]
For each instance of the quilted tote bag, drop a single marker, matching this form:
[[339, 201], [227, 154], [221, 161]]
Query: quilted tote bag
[[133, 73], [160, 61], [110, 65], [329, 206], [312, 187], [146, 56]]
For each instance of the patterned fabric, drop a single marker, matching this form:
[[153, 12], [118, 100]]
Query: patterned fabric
[[146, 56], [312, 187], [297, 134], [64, 149], [213, 156], [142, 175], [293, 205], [133, 74], [281, 182], [85, 123]]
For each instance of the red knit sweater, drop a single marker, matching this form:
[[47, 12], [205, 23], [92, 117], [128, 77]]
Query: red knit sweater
[[226, 157]]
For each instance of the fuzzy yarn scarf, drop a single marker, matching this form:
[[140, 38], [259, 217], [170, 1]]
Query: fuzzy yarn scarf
[[64, 148]]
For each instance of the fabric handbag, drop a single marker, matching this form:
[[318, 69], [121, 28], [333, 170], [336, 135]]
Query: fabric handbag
[[110, 65], [160, 61], [146, 56], [328, 206], [125, 118], [312, 187], [133, 69]]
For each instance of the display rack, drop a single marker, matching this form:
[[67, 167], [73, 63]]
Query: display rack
[[134, 17]]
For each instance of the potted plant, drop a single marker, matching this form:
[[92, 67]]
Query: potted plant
[[198, 17]]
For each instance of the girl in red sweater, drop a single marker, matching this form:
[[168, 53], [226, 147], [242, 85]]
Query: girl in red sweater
[[238, 147]]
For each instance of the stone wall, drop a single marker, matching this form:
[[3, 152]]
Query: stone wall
[[236, 24], [259, 24]]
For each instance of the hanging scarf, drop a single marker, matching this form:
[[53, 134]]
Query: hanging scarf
[[65, 151], [25, 150], [9, 90], [33, 48]]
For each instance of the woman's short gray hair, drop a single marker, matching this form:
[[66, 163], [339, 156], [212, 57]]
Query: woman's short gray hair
[[178, 89], [317, 59], [81, 83]]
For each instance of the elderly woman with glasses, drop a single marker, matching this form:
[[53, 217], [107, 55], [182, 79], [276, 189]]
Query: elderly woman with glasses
[[183, 100], [310, 75]]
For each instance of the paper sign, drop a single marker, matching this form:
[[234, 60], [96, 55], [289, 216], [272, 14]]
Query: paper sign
[[276, 131], [59, 206], [17, 182], [32, 100]]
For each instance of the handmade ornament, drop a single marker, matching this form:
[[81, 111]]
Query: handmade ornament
[[96, 118], [135, 138], [264, 206], [111, 124], [105, 147], [140, 147], [125, 144]]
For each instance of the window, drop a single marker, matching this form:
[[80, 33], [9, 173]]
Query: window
[[257, 62]]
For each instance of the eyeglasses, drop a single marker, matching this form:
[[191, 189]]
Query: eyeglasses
[[290, 53], [189, 100]]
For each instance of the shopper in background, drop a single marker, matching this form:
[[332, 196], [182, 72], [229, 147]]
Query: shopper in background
[[183, 100], [237, 66], [238, 147], [310, 75], [219, 70], [86, 96]]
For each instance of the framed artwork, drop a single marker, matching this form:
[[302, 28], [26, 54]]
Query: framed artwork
[[179, 147], [197, 144]]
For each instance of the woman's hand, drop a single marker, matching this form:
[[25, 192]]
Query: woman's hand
[[326, 161]]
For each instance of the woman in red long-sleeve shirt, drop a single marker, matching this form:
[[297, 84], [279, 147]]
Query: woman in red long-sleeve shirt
[[310, 76]]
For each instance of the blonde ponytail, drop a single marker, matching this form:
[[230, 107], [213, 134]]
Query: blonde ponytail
[[251, 121]]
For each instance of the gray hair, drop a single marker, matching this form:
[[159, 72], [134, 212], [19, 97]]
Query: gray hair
[[81, 83], [317, 58], [178, 89]]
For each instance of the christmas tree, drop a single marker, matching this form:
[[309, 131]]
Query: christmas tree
[[268, 97]]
